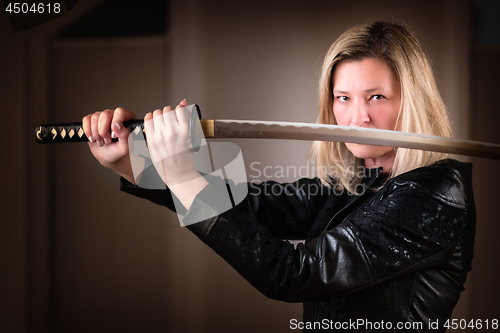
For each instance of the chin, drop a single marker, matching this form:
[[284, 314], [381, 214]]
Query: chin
[[368, 151]]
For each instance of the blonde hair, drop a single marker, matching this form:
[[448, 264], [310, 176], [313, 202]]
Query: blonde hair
[[422, 108]]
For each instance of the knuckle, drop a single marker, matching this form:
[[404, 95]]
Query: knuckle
[[119, 111], [153, 143]]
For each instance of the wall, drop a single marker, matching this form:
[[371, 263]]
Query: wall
[[80, 256]]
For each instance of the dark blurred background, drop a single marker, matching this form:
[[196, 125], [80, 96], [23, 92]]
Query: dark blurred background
[[77, 255]]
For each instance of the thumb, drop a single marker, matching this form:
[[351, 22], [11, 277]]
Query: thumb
[[119, 131]]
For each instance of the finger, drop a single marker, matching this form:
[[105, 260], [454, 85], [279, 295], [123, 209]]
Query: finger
[[158, 121], [153, 128], [121, 115], [86, 127], [104, 125], [148, 125], [167, 109], [181, 105], [118, 130], [183, 114], [157, 113], [94, 126], [170, 119]]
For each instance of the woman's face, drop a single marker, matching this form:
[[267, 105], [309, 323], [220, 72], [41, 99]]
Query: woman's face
[[367, 93]]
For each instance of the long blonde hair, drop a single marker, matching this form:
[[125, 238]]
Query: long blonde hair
[[422, 108]]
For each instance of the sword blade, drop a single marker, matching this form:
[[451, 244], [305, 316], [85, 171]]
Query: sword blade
[[73, 132], [322, 132]]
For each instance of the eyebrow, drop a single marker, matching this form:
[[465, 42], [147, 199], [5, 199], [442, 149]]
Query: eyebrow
[[342, 92]]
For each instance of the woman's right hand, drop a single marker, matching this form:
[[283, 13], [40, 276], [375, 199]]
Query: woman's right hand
[[101, 128]]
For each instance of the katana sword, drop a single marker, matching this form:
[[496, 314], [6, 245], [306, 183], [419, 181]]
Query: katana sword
[[73, 132]]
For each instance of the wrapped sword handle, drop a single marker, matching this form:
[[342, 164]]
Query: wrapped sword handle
[[73, 132]]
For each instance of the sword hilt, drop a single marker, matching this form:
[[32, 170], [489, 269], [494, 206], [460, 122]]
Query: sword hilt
[[73, 132]]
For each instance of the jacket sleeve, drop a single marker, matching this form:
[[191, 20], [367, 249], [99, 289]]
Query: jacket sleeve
[[403, 229], [287, 209]]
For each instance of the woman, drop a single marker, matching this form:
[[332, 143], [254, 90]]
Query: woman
[[386, 249]]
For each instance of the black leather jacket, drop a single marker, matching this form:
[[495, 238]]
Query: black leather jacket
[[372, 262]]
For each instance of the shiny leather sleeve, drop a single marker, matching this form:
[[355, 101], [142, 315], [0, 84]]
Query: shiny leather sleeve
[[162, 197], [403, 228], [287, 209]]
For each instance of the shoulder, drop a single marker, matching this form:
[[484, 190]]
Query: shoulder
[[449, 181]]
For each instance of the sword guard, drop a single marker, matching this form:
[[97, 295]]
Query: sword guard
[[195, 139]]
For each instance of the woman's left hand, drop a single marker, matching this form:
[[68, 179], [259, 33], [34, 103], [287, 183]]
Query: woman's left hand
[[169, 142]]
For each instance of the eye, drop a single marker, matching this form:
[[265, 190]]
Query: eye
[[377, 97], [343, 98]]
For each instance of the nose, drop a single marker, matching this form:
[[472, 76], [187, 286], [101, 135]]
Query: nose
[[360, 114]]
